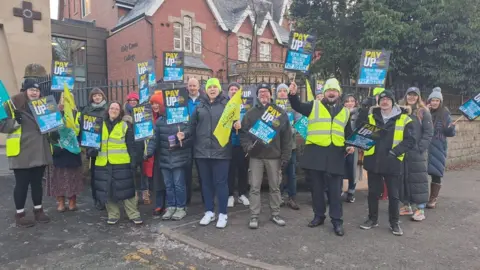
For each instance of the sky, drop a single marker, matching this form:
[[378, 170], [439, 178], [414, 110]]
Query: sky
[[54, 9]]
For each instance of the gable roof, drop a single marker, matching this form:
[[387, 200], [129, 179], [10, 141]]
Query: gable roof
[[229, 14]]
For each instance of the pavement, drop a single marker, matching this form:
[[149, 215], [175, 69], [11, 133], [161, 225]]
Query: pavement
[[447, 239]]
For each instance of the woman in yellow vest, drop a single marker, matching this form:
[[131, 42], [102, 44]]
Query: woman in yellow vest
[[28, 152], [384, 161], [114, 166]]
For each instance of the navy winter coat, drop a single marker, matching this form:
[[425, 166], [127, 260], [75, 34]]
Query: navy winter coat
[[168, 158], [437, 152], [416, 178]]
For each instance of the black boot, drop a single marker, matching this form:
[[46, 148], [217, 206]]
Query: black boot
[[338, 229], [317, 221]]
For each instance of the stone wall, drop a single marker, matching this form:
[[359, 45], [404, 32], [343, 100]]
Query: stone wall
[[464, 148]]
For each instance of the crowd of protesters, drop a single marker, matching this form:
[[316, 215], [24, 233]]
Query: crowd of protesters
[[158, 171]]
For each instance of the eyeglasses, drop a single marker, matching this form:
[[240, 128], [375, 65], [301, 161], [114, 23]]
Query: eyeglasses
[[35, 90]]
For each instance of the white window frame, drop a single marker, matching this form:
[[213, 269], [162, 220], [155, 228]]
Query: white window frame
[[187, 33], [86, 12], [244, 45], [178, 38], [197, 40], [265, 52]]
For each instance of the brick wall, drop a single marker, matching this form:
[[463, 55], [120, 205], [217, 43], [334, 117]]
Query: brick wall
[[464, 148]]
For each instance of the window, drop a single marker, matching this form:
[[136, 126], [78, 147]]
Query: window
[[244, 45], [86, 7], [265, 51], [187, 33], [197, 40], [177, 36]]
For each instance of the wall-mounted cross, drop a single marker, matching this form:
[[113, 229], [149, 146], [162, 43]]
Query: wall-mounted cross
[[28, 15]]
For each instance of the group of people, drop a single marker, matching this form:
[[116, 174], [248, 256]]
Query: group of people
[[413, 146]]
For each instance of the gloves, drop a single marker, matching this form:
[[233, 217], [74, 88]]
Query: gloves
[[92, 152], [369, 102], [18, 116]]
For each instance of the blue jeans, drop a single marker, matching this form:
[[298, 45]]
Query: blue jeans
[[144, 182], [175, 186], [291, 185], [214, 174]]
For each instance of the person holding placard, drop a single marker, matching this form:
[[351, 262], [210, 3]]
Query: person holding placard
[[213, 159], [266, 137], [324, 155], [28, 152], [385, 161], [290, 187], [239, 165], [415, 195], [114, 166], [96, 107], [443, 127]]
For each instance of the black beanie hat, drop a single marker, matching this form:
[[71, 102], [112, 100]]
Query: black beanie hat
[[388, 94], [266, 86], [29, 83]]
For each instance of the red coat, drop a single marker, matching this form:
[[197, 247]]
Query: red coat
[[149, 163]]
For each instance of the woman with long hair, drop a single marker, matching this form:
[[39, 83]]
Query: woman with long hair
[[416, 179], [28, 152], [443, 127], [114, 166]]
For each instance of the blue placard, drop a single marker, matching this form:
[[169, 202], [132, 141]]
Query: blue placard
[[4, 97], [372, 76], [471, 108], [373, 68], [143, 122], [59, 81], [298, 61], [144, 95], [91, 131], [46, 113], [173, 66], [173, 74], [365, 136], [177, 115], [302, 126], [263, 131]]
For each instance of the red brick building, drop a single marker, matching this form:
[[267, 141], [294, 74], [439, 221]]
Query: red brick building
[[215, 35]]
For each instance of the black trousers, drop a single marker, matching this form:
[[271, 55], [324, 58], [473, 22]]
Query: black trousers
[[375, 189], [92, 177], [238, 169], [189, 178], [32, 177], [319, 182]]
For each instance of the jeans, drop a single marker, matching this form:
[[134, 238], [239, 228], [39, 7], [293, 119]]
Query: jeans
[[214, 174], [175, 186], [145, 182], [320, 181], [291, 185], [238, 170], [375, 188]]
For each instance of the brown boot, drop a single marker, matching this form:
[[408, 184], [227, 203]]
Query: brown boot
[[72, 203], [61, 204], [40, 216], [434, 190], [293, 204], [22, 221], [146, 197]]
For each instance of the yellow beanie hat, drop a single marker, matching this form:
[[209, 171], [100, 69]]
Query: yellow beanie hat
[[332, 84]]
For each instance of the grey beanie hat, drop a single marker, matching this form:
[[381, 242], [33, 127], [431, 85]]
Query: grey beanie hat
[[234, 84], [436, 93], [413, 89], [283, 86]]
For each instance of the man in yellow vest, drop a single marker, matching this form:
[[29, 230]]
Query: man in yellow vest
[[385, 159], [324, 154]]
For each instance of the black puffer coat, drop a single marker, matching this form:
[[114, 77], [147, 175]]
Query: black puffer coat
[[437, 152], [169, 158], [115, 182], [202, 123], [381, 162], [416, 177]]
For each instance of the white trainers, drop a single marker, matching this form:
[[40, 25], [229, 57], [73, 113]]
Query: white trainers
[[231, 201], [243, 199], [207, 218], [222, 221]]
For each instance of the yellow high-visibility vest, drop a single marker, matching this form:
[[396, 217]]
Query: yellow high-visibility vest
[[323, 130], [113, 149], [400, 124], [12, 144]]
